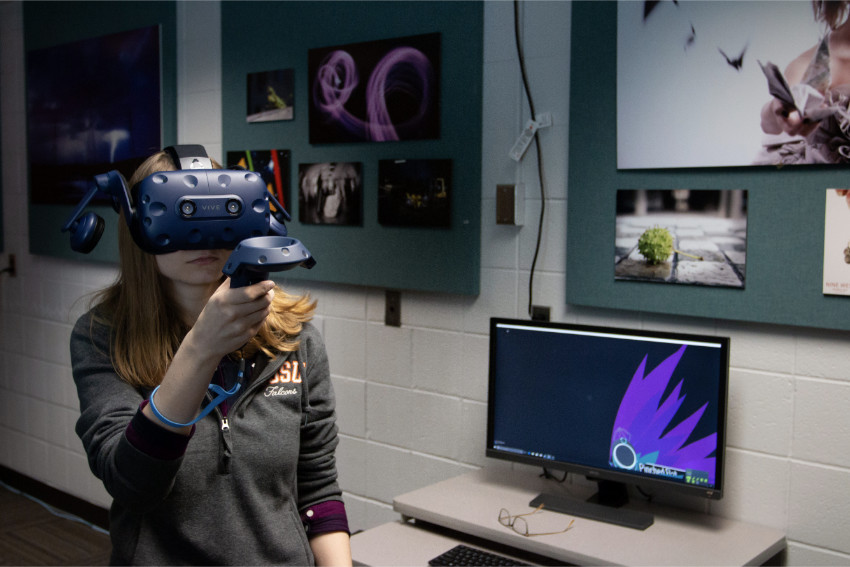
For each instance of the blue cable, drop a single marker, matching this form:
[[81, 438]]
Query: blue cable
[[222, 395]]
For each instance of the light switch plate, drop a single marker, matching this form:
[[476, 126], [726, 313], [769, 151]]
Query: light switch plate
[[392, 308]]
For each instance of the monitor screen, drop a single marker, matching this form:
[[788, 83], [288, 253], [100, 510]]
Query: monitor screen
[[630, 406]]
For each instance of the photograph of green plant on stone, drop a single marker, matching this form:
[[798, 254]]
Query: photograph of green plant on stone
[[682, 236], [656, 245]]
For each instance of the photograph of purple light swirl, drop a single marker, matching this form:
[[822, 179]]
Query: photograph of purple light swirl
[[404, 70], [398, 101], [336, 79]]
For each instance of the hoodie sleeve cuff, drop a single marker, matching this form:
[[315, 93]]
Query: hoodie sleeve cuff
[[325, 517], [154, 440]]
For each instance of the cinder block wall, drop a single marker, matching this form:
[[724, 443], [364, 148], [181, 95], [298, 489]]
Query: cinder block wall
[[412, 399]]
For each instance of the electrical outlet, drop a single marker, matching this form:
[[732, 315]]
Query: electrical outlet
[[539, 313], [10, 269], [510, 204], [392, 309]]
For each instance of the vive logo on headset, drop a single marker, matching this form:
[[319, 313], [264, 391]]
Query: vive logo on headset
[[194, 208]]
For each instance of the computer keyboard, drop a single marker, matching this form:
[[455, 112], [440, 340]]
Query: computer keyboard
[[464, 555]]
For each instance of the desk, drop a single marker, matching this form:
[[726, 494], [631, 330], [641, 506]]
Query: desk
[[470, 504], [401, 544]]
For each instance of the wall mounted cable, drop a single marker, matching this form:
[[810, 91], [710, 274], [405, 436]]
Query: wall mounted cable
[[542, 217]]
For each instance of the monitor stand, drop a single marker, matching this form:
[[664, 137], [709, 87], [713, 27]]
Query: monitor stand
[[604, 506]]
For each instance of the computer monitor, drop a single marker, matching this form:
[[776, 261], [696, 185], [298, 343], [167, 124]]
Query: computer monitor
[[619, 406]]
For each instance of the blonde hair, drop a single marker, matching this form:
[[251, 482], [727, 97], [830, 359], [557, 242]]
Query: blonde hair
[[144, 319]]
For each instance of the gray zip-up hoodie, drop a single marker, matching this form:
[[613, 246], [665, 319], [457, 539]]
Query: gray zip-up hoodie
[[235, 495]]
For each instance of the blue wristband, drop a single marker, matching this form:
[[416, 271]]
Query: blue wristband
[[222, 395]]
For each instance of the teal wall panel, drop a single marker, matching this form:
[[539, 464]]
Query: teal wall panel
[[785, 221], [265, 36]]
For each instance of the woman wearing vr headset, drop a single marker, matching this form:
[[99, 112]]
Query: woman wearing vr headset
[[252, 482]]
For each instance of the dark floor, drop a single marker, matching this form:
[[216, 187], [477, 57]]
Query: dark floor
[[31, 535]]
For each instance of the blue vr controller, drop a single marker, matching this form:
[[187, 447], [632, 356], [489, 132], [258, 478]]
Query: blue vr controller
[[197, 208], [254, 258]]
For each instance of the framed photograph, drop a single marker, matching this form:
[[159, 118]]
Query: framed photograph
[[375, 91], [330, 193], [271, 96], [272, 165], [836, 243], [92, 106], [415, 192], [715, 84], [682, 236]]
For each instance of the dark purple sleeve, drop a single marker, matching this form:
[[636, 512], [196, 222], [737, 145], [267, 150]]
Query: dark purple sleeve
[[156, 441], [325, 517]]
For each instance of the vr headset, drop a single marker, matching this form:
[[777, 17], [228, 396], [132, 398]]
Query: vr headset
[[195, 208]]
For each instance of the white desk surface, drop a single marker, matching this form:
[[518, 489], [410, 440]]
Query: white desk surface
[[397, 543], [470, 504], [400, 544]]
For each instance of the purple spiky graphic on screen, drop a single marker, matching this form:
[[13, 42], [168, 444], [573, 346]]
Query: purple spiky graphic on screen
[[638, 438]]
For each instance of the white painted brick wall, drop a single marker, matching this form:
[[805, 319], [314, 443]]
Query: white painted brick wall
[[756, 488], [346, 346], [351, 395], [822, 422], [412, 399], [389, 354], [818, 504], [757, 422], [819, 354]]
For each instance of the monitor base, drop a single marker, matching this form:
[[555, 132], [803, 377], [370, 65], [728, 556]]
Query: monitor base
[[635, 519]]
